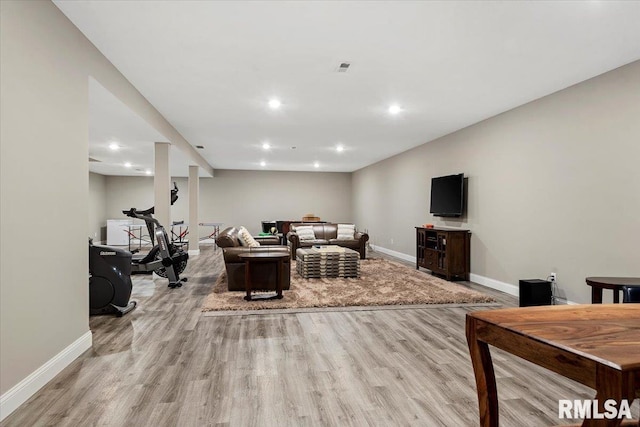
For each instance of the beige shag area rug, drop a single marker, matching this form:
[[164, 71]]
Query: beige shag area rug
[[381, 282]]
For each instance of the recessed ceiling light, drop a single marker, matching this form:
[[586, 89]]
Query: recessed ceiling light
[[394, 109], [148, 172], [266, 145], [339, 148], [113, 146], [127, 165], [316, 165], [263, 163], [274, 103]]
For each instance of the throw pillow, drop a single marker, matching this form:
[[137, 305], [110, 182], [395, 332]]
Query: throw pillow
[[305, 232], [346, 231], [246, 239]]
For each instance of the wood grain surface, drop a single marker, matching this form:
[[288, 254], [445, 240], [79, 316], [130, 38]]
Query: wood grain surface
[[165, 364], [596, 345], [604, 333]]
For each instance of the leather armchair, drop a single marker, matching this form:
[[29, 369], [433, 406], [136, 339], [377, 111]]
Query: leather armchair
[[326, 234], [263, 275]]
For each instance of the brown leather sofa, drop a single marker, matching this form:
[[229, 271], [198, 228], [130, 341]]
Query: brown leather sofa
[[263, 275], [326, 234]]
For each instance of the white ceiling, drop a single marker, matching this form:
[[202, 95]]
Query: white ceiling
[[211, 66], [112, 122]]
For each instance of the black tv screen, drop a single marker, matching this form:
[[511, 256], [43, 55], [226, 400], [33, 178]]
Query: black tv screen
[[447, 195]]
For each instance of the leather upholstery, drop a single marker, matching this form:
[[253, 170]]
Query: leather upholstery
[[264, 275], [326, 234]]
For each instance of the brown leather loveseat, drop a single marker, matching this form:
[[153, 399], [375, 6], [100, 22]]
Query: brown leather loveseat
[[326, 234], [263, 275]]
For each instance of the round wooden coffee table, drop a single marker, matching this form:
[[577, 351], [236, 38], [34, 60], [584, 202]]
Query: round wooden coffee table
[[250, 258]]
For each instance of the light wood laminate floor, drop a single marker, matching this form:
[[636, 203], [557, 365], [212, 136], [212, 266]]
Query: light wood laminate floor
[[165, 364]]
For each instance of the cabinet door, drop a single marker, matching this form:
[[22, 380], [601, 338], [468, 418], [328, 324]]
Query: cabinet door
[[420, 247], [430, 259], [457, 258]]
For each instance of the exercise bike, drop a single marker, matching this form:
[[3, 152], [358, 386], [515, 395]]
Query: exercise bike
[[110, 280], [165, 259]]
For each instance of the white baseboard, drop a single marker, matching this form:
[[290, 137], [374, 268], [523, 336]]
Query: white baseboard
[[481, 280], [193, 252], [504, 287], [507, 288], [495, 284], [21, 392], [394, 253]]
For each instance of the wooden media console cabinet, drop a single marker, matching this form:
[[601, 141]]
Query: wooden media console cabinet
[[444, 251]]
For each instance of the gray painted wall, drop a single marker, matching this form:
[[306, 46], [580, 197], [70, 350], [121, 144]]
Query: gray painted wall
[[554, 185], [97, 207], [46, 63], [43, 293], [236, 197]]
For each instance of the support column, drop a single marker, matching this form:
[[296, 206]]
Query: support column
[[162, 185], [194, 194]]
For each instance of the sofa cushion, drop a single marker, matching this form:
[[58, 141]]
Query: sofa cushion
[[314, 242], [346, 231], [246, 239], [305, 233], [351, 244]]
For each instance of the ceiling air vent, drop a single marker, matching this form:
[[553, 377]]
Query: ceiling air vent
[[200, 147], [92, 160], [344, 67]]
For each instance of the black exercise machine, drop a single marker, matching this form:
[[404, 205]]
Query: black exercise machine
[[165, 259], [110, 280], [110, 268]]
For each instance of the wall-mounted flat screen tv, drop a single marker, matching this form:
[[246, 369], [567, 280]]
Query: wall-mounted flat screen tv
[[447, 195]]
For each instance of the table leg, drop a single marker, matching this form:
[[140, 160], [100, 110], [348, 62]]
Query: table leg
[[596, 295], [485, 376], [610, 384], [247, 279], [279, 277]]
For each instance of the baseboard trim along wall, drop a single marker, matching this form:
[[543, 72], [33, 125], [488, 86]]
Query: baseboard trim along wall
[[21, 392], [481, 280], [507, 288], [394, 253]]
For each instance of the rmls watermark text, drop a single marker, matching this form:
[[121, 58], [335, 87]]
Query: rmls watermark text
[[589, 409]]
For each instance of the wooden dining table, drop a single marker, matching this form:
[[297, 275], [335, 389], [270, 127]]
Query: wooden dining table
[[597, 345]]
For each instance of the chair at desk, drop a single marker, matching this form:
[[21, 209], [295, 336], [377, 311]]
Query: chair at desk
[[631, 294]]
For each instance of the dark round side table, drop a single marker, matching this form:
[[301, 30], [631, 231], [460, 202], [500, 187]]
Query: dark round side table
[[614, 283]]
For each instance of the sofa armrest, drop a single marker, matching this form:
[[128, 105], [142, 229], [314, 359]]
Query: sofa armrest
[[364, 237], [292, 237], [294, 243], [267, 240]]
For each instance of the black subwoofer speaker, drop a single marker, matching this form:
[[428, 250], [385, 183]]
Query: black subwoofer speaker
[[535, 292]]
